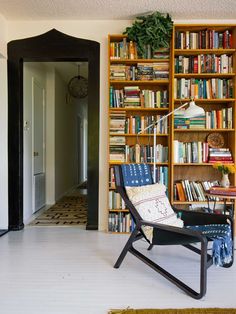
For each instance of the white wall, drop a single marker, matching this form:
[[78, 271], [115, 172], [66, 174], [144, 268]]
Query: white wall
[[65, 140], [50, 136], [3, 127], [82, 129], [36, 71]]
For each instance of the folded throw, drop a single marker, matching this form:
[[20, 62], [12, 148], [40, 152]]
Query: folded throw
[[136, 174], [220, 234]]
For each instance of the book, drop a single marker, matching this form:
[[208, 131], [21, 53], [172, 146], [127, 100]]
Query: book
[[231, 191]]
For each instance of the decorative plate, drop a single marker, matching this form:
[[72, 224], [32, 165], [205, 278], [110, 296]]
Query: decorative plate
[[215, 140]]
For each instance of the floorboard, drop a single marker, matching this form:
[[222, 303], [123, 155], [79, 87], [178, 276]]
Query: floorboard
[[69, 270]]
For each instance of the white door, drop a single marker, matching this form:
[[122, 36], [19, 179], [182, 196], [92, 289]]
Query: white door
[[38, 106]]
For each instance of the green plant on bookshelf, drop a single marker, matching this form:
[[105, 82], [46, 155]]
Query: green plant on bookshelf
[[154, 30]]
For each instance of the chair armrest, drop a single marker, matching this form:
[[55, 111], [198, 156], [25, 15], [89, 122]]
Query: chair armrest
[[198, 218], [184, 231]]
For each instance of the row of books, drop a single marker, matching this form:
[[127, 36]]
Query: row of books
[[138, 153], [215, 119], [220, 119], [222, 155], [190, 152], [128, 50], [120, 124], [140, 72], [183, 122], [136, 124], [120, 222], [204, 64], [203, 88], [185, 190], [116, 201], [204, 39], [123, 50], [132, 96]]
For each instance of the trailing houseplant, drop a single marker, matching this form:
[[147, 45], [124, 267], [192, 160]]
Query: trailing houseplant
[[153, 29]]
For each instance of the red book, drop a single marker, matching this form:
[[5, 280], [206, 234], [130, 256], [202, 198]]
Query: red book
[[231, 191]]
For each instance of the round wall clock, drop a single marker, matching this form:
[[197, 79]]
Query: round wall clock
[[78, 87]]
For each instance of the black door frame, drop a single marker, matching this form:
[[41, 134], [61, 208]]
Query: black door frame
[[51, 46]]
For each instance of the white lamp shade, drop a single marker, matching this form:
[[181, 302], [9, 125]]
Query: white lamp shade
[[193, 110]]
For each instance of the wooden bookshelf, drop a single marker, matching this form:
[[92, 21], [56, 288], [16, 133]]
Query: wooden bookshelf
[[224, 101], [189, 41], [151, 106]]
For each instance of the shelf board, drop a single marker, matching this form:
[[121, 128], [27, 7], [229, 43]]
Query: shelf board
[[197, 202], [138, 109], [137, 135], [117, 210], [204, 130], [193, 164], [113, 232], [203, 51], [204, 75], [153, 82], [206, 101], [131, 61], [149, 163]]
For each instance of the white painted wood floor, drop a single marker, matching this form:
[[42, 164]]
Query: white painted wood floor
[[55, 270]]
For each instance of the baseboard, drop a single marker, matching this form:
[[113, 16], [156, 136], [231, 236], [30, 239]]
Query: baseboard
[[91, 227], [16, 227], [3, 231]]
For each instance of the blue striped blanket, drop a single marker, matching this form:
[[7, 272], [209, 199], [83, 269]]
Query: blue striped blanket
[[220, 234]]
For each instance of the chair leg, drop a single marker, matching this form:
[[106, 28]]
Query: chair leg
[[203, 271], [126, 248]]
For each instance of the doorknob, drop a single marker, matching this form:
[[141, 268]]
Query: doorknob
[[36, 154]]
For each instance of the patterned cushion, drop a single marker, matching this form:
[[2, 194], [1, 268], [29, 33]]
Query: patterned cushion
[[153, 205]]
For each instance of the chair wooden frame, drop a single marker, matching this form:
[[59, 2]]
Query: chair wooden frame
[[197, 217]]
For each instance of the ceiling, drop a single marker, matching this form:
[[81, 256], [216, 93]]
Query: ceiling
[[115, 9]]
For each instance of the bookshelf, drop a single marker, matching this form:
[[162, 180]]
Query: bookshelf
[[139, 94], [201, 64], [203, 59]]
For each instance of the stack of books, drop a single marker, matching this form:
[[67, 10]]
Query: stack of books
[[183, 122], [117, 148], [160, 70], [144, 72], [118, 72], [221, 155], [131, 96], [162, 53], [117, 122], [218, 190]]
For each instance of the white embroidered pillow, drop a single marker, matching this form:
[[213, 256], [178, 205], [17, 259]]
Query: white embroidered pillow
[[153, 205]]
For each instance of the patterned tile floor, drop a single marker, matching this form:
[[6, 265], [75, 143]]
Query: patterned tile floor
[[68, 211]]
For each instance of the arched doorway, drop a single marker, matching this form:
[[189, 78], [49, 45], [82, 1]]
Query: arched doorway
[[51, 46]]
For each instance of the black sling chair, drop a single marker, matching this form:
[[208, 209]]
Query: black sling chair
[[168, 235]]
